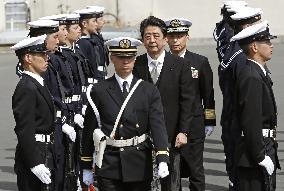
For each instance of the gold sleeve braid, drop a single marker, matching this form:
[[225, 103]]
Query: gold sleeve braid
[[87, 159], [210, 114], [162, 153]]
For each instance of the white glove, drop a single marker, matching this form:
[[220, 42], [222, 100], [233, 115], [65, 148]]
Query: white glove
[[268, 164], [69, 130], [84, 109], [163, 170], [42, 173], [79, 120], [209, 130], [88, 177]]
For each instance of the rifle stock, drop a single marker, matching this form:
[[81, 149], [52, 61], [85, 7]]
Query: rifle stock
[[70, 170], [46, 187]]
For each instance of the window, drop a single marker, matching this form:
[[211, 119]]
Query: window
[[17, 14]]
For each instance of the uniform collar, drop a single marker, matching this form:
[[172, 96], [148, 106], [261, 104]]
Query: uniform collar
[[37, 77], [120, 81], [182, 55], [262, 67]]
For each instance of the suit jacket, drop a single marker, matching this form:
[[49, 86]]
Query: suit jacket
[[256, 110], [143, 114], [204, 104], [177, 91], [33, 111]]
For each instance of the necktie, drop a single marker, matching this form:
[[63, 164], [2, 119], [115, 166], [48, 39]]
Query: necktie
[[267, 74], [155, 72], [124, 90]]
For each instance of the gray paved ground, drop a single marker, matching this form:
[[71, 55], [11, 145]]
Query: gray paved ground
[[216, 179]]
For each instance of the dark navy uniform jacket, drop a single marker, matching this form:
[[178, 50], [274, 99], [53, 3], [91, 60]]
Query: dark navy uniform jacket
[[204, 104], [87, 46], [256, 110], [72, 59], [143, 115], [33, 111], [103, 52]]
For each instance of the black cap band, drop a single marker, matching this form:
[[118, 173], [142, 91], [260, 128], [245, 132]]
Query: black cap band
[[42, 30], [32, 49], [265, 35], [93, 15]]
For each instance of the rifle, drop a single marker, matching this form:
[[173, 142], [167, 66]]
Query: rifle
[[70, 170], [46, 187], [267, 180]]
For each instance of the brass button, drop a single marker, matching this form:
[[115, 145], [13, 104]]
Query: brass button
[[121, 149], [137, 148], [137, 125], [121, 125], [121, 138]]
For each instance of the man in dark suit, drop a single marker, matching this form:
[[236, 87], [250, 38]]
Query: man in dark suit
[[127, 160], [256, 151], [34, 115], [204, 118], [173, 78]]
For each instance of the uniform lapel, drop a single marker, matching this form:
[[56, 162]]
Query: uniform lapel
[[44, 92], [115, 91], [268, 83]]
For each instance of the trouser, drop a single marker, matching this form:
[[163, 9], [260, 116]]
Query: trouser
[[28, 181], [172, 181], [106, 184], [59, 157], [192, 164], [229, 134], [253, 179]]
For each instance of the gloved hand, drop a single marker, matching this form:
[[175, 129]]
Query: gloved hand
[[209, 130], [268, 164], [79, 120], [163, 170], [84, 109], [69, 130], [88, 177], [42, 173]]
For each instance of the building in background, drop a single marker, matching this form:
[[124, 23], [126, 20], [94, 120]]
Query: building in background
[[129, 13]]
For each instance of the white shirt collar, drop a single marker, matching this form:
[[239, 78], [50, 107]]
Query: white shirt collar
[[35, 76], [160, 58], [182, 55], [262, 67], [120, 81]]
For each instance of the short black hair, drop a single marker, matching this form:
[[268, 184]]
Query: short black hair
[[245, 48], [153, 21]]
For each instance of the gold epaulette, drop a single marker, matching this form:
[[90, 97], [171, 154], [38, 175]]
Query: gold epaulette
[[210, 114], [87, 159]]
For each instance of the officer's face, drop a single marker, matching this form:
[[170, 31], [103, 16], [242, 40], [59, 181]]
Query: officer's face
[[52, 42], [154, 40], [62, 34], [36, 62], [74, 33], [100, 23], [177, 42], [123, 65], [264, 49]]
